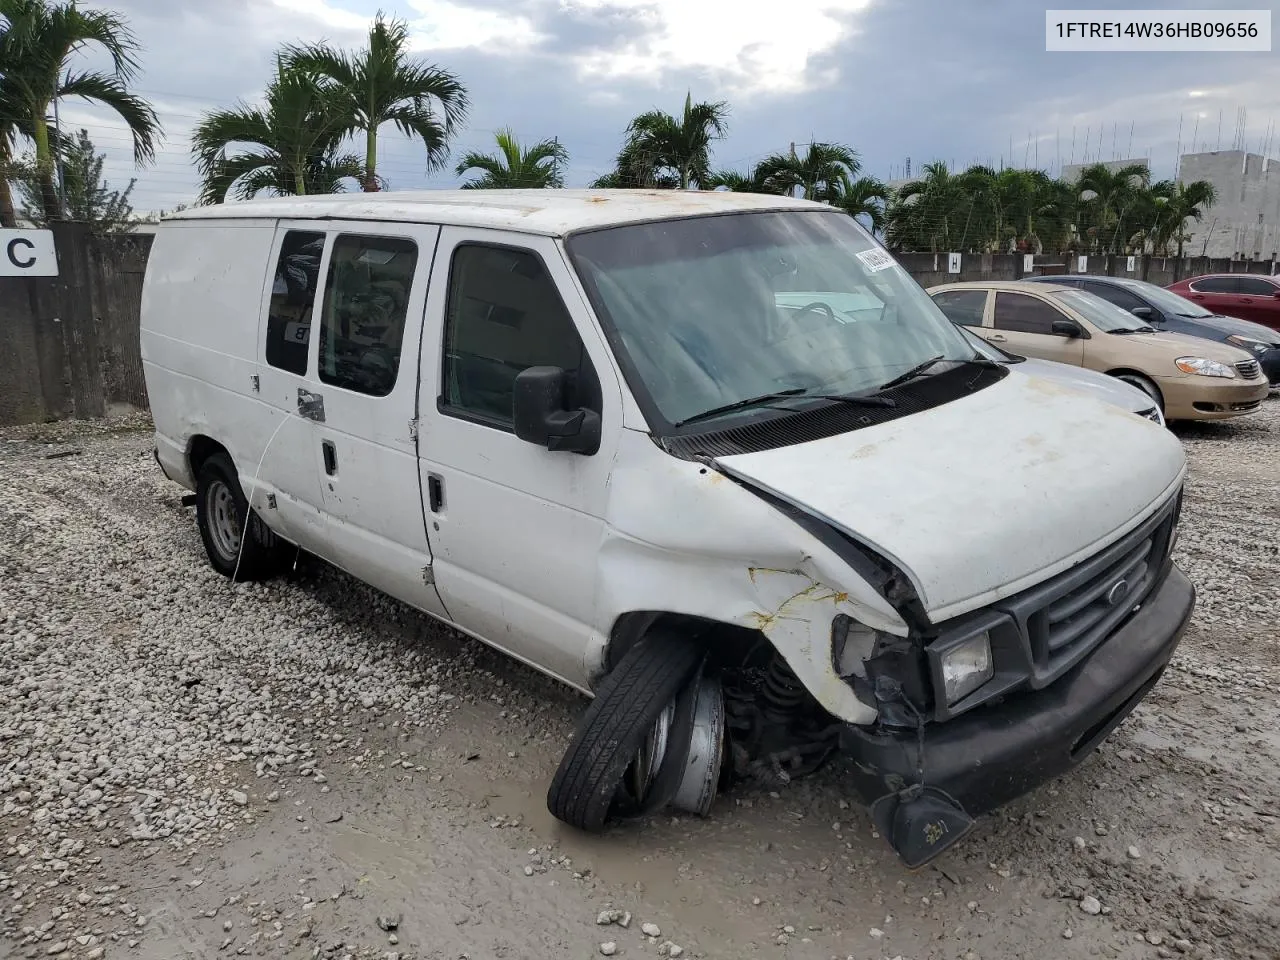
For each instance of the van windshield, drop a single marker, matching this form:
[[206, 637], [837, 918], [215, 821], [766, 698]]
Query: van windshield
[[707, 312]]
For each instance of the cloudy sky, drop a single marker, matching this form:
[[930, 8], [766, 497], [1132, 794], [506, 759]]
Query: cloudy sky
[[958, 80]]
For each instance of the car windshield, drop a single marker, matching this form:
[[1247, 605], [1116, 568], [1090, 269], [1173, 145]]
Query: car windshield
[[1103, 314], [710, 311], [1166, 300]]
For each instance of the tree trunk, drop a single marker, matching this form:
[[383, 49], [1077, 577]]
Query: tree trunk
[[370, 184], [49, 198], [8, 216]]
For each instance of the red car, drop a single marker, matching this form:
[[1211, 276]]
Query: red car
[[1249, 296]]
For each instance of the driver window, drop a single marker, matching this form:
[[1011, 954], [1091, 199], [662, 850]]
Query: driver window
[[365, 302], [504, 316], [1019, 313]]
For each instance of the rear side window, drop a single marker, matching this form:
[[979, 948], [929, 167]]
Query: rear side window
[[1215, 285], [293, 294], [365, 302], [504, 316], [1254, 287], [1020, 313], [1121, 298], [962, 306]]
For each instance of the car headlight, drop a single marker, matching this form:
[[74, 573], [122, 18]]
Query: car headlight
[[1204, 367], [966, 667], [1248, 343]]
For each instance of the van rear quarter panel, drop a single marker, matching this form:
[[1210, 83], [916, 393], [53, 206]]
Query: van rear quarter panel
[[201, 303]]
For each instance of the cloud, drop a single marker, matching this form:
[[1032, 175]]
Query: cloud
[[925, 79]]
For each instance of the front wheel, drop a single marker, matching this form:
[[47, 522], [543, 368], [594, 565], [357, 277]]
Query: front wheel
[[1145, 385], [627, 733], [239, 545]]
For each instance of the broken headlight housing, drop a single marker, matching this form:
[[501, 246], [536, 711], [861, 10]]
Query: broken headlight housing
[[966, 667]]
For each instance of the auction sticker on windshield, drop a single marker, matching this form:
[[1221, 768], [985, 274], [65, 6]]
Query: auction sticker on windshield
[[876, 260]]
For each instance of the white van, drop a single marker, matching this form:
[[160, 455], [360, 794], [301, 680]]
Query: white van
[[713, 458]]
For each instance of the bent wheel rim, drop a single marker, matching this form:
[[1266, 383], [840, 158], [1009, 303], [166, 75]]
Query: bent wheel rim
[[223, 520], [648, 760]]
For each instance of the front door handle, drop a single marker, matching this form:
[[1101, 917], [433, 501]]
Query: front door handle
[[1246, 300], [330, 457]]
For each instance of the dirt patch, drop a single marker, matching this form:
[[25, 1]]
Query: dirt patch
[[306, 768]]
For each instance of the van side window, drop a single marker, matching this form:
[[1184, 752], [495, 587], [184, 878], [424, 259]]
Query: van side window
[[293, 292], [365, 301], [505, 315], [1020, 313]]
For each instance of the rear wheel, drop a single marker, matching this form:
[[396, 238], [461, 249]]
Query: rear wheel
[[630, 727], [239, 545]]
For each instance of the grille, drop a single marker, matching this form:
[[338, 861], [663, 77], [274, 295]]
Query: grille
[[1248, 369], [1071, 614]]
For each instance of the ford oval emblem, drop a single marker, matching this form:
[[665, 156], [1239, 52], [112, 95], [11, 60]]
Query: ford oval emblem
[[1117, 592]]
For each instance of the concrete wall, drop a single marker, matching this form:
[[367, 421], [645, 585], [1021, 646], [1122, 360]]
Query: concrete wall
[[69, 344], [1244, 223]]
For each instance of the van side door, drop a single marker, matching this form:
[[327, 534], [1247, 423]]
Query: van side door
[[363, 406], [286, 371], [516, 527]]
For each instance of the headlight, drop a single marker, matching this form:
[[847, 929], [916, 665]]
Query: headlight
[[1204, 367], [967, 667], [1248, 343]]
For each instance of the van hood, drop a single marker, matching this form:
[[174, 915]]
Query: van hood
[[984, 496], [1099, 385]]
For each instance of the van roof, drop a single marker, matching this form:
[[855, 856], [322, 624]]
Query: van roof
[[547, 212]]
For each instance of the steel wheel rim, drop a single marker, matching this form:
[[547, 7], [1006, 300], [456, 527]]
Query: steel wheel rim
[[648, 760], [223, 520]]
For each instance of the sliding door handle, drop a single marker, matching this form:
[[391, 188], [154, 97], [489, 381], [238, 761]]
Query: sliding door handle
[[435, 492], [330, 457]]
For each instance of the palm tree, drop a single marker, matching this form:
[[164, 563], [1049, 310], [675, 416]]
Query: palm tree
[[739, 182], [663, 150], [817, 174], [40, 39], [383, 84], [862, 198], [1171, 206], [1115, 194], [515, 167], [289, 146], [927, 214]]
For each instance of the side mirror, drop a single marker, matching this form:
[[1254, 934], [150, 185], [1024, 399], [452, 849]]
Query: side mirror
[[1277, 294], [542, 417], [1145, 313], [1066, 328]]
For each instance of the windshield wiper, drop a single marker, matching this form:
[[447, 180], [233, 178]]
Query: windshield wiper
[[1136, 330], [915, 371], [794, 393]]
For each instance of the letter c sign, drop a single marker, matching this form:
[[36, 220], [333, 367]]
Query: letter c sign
[[28, 253]]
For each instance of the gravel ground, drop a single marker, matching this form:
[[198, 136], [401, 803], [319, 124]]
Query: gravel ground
[[308, 769]]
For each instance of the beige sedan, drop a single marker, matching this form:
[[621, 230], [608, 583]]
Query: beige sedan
[[1191, 378]]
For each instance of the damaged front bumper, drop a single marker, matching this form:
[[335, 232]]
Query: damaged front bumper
[[997, 752]]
